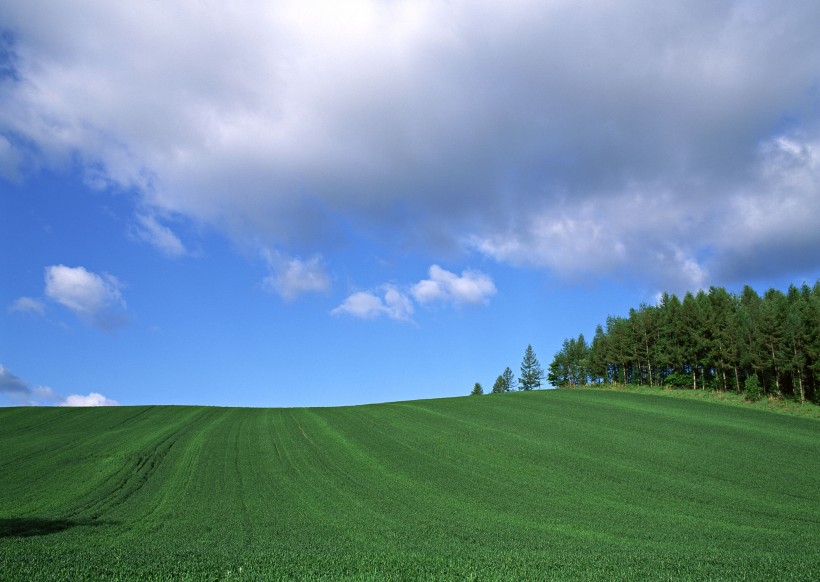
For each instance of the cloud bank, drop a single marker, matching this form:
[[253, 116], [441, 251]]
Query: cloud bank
[[671, 143]]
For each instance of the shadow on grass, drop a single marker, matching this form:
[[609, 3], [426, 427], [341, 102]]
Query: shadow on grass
[[36, 526]]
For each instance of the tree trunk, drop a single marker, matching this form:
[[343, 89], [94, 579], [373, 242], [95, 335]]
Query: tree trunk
[[648, 357], [776, 371], [694, 379], [737, 380], [800, 384]]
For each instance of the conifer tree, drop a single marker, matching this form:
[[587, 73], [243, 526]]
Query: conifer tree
[[531, 372], [598, 364], [509, 379]]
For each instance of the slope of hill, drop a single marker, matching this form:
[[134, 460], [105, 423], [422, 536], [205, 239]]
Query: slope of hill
[[561, 484]]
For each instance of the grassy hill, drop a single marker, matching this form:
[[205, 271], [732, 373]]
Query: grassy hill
[[553, 484]]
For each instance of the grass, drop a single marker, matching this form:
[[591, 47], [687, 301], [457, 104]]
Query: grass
[[778, 404], [543, 485]]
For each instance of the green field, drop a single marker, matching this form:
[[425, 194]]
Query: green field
[[551, 484]]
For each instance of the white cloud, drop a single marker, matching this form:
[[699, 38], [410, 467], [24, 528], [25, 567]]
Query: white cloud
[[525, 128], [444, 286], [28, 305], [91, 399], [148, 229], [390, 302], [94, 298], [472, 287], [291, 277]]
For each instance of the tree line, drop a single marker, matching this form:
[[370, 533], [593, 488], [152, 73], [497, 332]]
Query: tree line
[[714, 340]]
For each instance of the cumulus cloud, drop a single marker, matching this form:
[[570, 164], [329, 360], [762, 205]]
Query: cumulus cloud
[[91, 399], [94, 298], [17, 392], [387, 301], [582, 137], [471, 287], [444, 286], [291, 277], [28, 305]]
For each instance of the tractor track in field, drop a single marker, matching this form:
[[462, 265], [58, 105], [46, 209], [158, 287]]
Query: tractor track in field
[[130, 479]]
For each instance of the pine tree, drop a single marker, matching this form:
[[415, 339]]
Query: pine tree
[[498, 387], [477, 390], [690, 340], [669, 348], [531, 372], [598, 365], [559, 368], [797, 335], [509, 379]]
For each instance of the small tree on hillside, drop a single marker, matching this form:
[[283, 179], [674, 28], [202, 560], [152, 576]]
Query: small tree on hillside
[[754, 391], [505, 382], [531, 372], [477, 390], [509, 379]]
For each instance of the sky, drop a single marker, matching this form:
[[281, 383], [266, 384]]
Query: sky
[[305, 203]]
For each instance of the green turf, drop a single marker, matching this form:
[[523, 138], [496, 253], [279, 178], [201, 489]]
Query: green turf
[[554, 484]]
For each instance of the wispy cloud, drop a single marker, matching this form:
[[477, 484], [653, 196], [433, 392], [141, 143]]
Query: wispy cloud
[[150, 230], [9, 161], [94, 298], [17, 392], [28, 305]]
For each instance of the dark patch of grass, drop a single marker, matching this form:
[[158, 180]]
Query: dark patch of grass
[[38, 526]]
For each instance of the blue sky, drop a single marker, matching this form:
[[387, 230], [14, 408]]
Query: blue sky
[[304, 204]]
